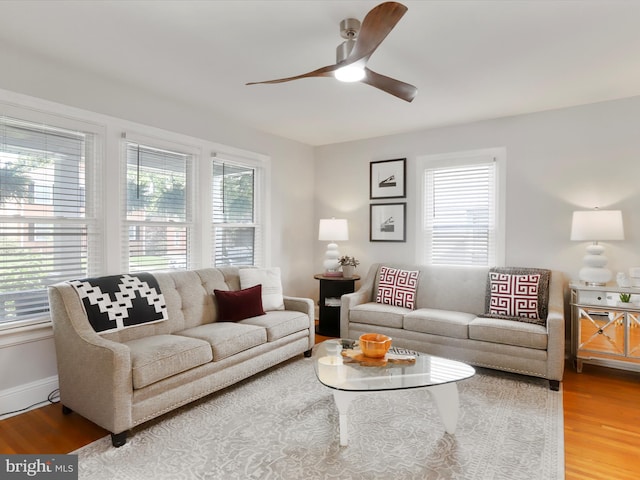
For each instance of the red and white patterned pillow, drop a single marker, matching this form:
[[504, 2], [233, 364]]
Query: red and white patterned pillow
[[514, 295], [397, 287]]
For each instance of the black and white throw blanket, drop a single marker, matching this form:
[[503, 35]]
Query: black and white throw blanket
[[121, 301]]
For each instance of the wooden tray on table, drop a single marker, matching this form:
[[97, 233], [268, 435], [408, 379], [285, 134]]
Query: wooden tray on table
[[355, 355]]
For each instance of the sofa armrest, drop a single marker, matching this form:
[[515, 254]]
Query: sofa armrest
[[94, 373], [555, 327], [364, 294], [304, 305]]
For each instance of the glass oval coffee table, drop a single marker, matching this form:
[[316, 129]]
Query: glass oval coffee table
[[339, 366]]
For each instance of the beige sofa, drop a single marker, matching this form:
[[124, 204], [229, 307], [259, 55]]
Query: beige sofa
[[123, 378], [448, 321]]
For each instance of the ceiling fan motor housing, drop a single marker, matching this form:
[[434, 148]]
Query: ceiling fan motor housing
[[349, 28]]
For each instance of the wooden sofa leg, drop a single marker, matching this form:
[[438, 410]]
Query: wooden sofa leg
[[554, 385], [66, 410], [118, 439], [307, 354]]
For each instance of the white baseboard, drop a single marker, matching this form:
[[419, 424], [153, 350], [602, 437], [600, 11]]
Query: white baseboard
[[28, 396]]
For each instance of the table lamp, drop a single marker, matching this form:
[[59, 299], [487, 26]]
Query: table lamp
[[596, 225], [332, 230]]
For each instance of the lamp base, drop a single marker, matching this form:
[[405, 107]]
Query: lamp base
[[331, 263], [595, 276], [594, 273]]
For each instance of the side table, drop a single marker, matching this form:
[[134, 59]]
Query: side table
[[329, 301], [605, 331]]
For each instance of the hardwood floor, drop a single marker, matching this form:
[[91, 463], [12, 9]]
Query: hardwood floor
[[601, 426], [47, 430], [601, 423]]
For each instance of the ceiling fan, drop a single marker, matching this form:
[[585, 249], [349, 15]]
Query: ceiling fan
[[361, 40]]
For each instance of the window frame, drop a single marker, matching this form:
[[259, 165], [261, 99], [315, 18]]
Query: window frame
[[463, 158], [261, 201], [192, 156], [94, 153]]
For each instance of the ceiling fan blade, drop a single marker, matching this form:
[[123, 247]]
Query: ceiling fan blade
[[320, 72], [390, 85], [374, 29]]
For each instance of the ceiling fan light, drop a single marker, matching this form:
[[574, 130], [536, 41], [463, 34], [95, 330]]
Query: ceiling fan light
[[349, 73]]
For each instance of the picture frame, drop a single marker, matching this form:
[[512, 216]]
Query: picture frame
[[387, 179], [387, 222]]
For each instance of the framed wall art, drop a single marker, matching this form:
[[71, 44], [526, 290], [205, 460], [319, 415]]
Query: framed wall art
[[387, 222], [387, 179]]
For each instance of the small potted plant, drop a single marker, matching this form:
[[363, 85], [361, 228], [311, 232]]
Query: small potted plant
[[348, 264], [625, 297]]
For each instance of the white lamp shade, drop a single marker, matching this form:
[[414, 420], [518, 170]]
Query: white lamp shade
[[597, 225], [333, 229]]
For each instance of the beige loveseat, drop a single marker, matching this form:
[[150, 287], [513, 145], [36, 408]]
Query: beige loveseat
[[448, 321], [123, 378]]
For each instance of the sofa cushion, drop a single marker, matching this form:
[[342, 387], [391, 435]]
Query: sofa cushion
[[279, 324], [378, 314], [439, 322], [514, 295], [520, 294], [227, 338], [237, 305], [397, 287], [269, 278], [508, 332], [157, 357]]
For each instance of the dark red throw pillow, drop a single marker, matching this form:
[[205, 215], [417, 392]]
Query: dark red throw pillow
[[234, 305]]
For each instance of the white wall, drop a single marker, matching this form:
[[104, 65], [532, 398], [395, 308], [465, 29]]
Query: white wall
[[557, 162], [27, 360]]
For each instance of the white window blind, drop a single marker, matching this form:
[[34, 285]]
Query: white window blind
[[158, 227], [460, 212], [236, 229], [48, 232]]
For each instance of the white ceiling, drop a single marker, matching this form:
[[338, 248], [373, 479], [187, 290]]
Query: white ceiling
[[471, 60]]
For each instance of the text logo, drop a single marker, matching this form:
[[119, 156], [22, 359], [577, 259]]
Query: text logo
[[51, 467]]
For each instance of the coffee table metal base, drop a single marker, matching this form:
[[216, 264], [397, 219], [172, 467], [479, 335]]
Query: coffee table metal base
[[444, 395]]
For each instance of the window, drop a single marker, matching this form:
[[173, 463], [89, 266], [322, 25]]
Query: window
[[158, 229], [462, 217], [48, 231], [57, 164], [236, 231]]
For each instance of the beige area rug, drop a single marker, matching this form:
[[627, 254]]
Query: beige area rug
[[283, 424]]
